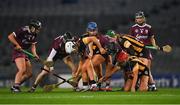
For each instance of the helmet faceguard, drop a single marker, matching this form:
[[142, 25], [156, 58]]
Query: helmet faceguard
[[35, 23], [67, 36], [92, 26], [70, 47], [139, 14], [140, 18]]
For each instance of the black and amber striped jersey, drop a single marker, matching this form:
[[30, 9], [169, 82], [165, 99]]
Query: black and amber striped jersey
[[132, 46]]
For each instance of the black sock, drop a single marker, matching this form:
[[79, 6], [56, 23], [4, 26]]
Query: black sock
[[85, 83], [107, 84], [16, 85], [34, 86], [99, 85], [92, 82]]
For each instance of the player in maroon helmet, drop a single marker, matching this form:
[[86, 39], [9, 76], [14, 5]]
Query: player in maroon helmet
[[24, 38]]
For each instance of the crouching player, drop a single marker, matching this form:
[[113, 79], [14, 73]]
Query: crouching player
[[136, 70], [61, 49], [134, 48]]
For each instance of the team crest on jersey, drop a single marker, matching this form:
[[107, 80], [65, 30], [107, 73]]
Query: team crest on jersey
[[141, 30], [136, 30], [146, 31]]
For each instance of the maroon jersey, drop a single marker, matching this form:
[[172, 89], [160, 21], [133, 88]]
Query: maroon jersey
[[104, 40], [142, 33], [24, 37], [59, 45]]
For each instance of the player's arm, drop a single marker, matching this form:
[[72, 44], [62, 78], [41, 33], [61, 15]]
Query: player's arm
[[12, 39], [52, 55], [93, 39], [33, 49], [90, 46], [153, 41], [129, 47]]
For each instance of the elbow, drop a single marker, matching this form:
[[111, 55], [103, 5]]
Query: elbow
[[10, 36]]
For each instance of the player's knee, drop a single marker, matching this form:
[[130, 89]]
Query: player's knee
[[22, 71], [29, 75]]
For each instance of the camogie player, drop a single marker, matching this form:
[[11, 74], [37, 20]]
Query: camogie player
[[24, 38], [96, 58], [137, 53], [144, 32], [61, 49], [86, 52]]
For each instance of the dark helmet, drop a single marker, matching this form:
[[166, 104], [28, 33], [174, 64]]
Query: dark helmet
[[91, 26], [67, 36], [140, 14], [35, 23]]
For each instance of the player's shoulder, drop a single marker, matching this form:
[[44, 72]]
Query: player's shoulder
[[147, 25], [135, 25], [58, 37], [84, 35], [25, 28]]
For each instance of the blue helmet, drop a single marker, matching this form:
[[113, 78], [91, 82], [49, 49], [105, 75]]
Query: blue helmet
[[92, 26]]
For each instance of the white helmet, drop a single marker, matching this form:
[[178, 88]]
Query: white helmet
[[69, 47]]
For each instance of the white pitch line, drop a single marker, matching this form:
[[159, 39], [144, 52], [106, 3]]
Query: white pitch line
[[91, 96]]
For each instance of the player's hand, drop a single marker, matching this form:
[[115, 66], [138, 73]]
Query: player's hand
[[102, 50], [157, 47], [37, 58], [74, 75], [90, 56], [18, 47], [51, 68]]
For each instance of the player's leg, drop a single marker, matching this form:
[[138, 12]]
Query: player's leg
[[127, 85], [85, 76], [109, 67], [144, 83], [152, 86], [144, 79], [78, 74], [69, 61], [98, 71], [96, 60], [21, 66], [39, 79], [28, 73]]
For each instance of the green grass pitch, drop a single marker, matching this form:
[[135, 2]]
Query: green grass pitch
[[67, 96]]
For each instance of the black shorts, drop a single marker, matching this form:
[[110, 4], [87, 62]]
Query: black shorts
[[144, 72], [144, 53]]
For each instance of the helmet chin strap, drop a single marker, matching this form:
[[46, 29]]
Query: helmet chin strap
[[141, 24]]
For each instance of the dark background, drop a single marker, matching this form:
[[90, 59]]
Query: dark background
[[59, 16]]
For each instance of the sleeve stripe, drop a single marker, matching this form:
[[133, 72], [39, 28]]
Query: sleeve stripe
[[14, 34]]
